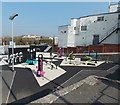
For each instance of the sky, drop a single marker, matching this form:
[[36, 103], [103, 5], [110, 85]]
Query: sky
[[44, 18]]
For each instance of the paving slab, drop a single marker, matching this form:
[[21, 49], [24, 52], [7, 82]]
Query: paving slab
[[50, 75], [108, 99], [100, 92], [114, 95]]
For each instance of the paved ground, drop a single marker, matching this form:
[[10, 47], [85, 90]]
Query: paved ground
[[87, 91], [25, 88], [104, 92]]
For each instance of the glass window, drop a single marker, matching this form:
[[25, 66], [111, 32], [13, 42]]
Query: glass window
[[74, 28], [83, 28], [118, 9], [119, 16], [64, 31], [100, 18]]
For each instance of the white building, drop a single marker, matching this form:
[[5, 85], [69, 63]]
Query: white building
[[92, 29], [36, 36]]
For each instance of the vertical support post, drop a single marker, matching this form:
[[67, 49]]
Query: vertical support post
[[12, 48], [96, 58]]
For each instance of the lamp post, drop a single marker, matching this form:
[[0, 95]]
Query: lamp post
[[11, 18]]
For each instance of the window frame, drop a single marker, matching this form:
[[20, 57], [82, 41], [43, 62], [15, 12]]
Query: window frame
[[84, 28], [118, 16], [100, 18]]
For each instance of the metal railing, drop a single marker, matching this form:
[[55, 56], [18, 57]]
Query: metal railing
[[109, 32]]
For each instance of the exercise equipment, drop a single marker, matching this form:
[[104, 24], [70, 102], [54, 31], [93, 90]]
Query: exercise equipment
[[59, 52], [51, 60], [40, 71], [71, 57], [30, 60], [20, 56], [10, 59], [89, 58], [17, 58]]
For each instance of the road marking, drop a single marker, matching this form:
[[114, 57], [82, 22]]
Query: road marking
[[11, 87], [116, 66], [67, 80]]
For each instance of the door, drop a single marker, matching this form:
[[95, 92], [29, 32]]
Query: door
[[95, 39]]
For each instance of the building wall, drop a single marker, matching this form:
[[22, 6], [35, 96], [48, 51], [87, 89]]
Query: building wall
[[0, 41], [75, 37], [71, 34], [63, 36], [95, 27], [113, 39]]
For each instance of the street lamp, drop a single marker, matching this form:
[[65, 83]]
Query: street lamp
[[11, 18]]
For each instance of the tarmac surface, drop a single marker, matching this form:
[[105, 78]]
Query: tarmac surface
[[20, 86], [102, 93]]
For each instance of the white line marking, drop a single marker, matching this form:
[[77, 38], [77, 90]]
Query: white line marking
[[116, 66], [11, 86], [68, 80]]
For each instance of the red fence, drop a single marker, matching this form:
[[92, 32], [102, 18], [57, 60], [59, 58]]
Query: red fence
[[97, 48], [111, 47]]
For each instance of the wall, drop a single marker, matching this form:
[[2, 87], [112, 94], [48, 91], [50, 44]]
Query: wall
[[114, 38], [81, 49], [111, 47], [71, 34], [63, 37], [76, 37], [2, 51], [103, 48], [96, 48], [95, 27]]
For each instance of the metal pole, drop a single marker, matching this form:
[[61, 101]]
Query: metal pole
[[12, 48]]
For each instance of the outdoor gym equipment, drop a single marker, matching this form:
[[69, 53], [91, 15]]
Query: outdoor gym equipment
[[71, 56], [10, 59], [90, 58], [17, 58], [30, 60], [40, 71], [20, 56], [51, 59], [59, 52]]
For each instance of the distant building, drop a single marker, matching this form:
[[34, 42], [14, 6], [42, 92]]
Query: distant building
[[91, 30], [55, 40], [35, 36], [0, 41]]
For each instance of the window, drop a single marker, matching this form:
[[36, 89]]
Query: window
[[64, 31], [83, 28], [118, 9], [100, 18], [119, 16], [74, 28]]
